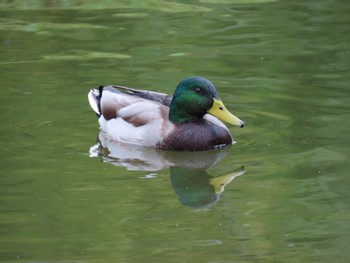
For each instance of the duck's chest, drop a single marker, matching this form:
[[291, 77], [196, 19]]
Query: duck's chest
[[195, 136]]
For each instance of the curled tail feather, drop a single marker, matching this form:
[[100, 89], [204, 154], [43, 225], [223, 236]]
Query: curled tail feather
[[94, 97]]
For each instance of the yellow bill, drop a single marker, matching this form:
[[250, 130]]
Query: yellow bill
[[219, 111]]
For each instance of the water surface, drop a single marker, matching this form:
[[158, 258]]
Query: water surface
[[280, 194]]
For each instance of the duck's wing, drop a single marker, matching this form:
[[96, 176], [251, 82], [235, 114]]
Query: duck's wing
[[95, 95], [146, 94], [135, 106], [127, 117]]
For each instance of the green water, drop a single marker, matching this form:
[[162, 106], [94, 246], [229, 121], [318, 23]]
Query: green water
[[281, 66]]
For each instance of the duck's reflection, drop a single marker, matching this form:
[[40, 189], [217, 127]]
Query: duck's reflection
[[196, 188], [188, 170]]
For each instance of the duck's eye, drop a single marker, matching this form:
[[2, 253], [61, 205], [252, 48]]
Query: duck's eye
[[198, 90]]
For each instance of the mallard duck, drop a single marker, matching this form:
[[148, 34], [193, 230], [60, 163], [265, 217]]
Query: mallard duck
[[188, 120]]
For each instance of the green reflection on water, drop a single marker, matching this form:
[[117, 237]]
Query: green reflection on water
[[283, 67]]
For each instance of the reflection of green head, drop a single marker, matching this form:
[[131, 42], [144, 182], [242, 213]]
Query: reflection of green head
[[193, 187]]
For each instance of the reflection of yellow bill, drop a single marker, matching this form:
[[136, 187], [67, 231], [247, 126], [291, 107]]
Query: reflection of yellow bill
[[219, 111], [220, 182]]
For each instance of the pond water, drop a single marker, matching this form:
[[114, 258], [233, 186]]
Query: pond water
[[280, 194]]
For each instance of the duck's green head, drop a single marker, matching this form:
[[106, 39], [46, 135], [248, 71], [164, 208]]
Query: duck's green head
[[196, 96]]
